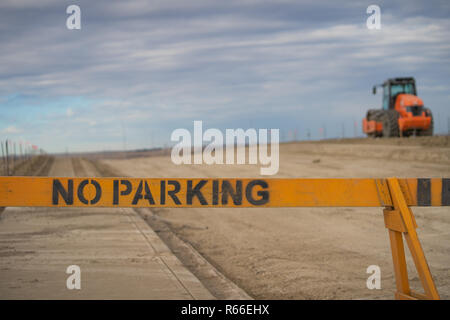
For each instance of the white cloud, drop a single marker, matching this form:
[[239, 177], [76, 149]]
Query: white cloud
[[11, 130]]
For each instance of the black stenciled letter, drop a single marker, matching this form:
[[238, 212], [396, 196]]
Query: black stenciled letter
[[227, 189], [263, 194], [215, 195], [125, 192], [162, 192], [148, 194], [98, 191], [66, 195], [80, 191], [172, 193], [191, 192]]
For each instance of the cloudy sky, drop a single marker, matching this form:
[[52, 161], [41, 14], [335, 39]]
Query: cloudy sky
[[140, 69]]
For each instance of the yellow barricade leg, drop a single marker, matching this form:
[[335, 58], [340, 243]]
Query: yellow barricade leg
[[399, 219]]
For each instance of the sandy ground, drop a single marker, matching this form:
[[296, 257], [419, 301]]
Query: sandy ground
[[310, 253]]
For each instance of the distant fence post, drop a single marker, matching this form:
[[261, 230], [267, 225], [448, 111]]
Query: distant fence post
[[3, 159], [7, 158], [13, 167]]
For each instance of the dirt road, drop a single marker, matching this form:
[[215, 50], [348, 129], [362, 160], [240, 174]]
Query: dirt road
[[308, 253]]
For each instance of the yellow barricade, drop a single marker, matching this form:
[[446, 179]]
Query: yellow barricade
[[141, 192], [395, 195]]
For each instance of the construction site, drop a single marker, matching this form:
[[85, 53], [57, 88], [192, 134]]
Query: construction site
[[224, 151]]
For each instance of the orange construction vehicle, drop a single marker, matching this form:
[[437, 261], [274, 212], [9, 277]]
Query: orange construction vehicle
[[403, 113]]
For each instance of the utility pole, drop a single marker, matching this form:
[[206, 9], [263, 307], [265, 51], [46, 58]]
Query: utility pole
[[152, 142], [124, 138], [448, 126], [438, 124]]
